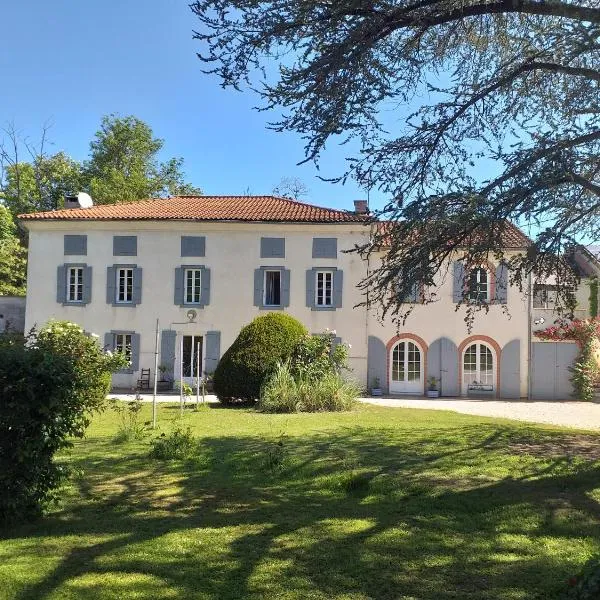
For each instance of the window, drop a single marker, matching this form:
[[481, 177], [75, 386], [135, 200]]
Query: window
[[544, 296], [123, 344], [478, 368], [479, 285], [193, 288], [75, 284], [324, 288], [124, 284], [272, 288]]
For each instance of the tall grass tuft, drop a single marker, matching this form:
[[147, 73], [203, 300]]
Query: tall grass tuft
[[284, 393]]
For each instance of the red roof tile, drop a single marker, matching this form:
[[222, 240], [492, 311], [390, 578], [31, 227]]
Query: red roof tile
[[204, 208]]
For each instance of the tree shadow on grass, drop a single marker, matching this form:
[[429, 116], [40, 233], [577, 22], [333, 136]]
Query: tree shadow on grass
[[226, 525]]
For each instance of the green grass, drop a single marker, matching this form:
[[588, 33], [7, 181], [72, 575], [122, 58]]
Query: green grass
[[375, 503]]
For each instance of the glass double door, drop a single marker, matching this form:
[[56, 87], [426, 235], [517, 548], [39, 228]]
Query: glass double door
[[406, 368], [191, 355]]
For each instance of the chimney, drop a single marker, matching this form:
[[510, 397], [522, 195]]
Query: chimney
[[361, 207], [81, 200]]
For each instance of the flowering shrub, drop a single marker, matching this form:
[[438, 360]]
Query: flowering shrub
[[586, 333], [51, 381], [316, 356], [586, 584]]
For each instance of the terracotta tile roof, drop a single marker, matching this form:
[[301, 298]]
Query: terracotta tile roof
[[204, 208], [512, 236]]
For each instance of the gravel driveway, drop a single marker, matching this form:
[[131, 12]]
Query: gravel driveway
[[579, 415]]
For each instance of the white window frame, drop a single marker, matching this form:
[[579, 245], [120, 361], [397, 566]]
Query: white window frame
[[547, 293], [321, 299], [265, 287], [477, 297], [477, 383], [74, 292], [128, 274], [123, 345], [196, 289]]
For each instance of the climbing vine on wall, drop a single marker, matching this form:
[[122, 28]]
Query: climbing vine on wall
[[586, 333], [594, 297]]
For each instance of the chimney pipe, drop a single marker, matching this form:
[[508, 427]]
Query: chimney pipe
[[361, 207]]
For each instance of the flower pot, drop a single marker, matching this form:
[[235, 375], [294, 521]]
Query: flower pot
[[433, 393], [376, 392]]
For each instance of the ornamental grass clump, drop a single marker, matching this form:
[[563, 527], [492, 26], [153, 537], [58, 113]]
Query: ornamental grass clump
[[311, 380]]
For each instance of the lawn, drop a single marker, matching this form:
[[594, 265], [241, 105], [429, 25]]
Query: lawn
[[376, 503]]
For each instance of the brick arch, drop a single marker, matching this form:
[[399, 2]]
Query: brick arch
[[490, 342], [422, 345]]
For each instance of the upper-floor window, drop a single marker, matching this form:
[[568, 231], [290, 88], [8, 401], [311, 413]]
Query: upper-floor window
[[75, 284], [124, 284], [324, 288], [193, 286], [122, 344], [272, 288], [544, 296], [479, 285]]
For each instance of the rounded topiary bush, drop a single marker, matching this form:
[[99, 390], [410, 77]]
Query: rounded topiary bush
[[254, 354]]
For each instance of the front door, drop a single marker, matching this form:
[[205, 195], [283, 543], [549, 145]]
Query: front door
[[406, 372], [191, 351]]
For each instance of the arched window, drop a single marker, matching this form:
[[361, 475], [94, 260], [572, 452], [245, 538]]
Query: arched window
[[406, 373], [479, 285], [478, 368]]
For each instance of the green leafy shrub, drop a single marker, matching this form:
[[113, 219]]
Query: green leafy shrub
[[285, 393], [180, 444], [586, 584], [316, 356], [129, 426], [262, 344], [51, 382]]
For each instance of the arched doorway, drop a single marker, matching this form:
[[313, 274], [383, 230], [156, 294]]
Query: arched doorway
[[407, 367], [479, 368]]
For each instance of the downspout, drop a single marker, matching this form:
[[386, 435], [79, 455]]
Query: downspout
[[529, 333]]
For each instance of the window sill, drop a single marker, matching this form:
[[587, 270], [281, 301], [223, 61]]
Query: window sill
[[192, 305], [75, 303], [269, 307], [324, 308]]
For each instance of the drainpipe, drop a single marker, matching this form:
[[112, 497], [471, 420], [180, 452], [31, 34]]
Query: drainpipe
[[529, 333]]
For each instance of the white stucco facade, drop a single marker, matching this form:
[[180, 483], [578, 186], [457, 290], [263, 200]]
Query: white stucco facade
[[233, 253]]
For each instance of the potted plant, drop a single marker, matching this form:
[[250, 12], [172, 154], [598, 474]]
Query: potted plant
[[432, 388], [375, 389], [165, 383]]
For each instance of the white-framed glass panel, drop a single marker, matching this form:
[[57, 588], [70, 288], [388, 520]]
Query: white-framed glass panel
[[124, 284], [406, 374], [75, 284], [191, 349], [123, 344], [478, 368], [193, 289], [544, 296], [272, 288], [324, 288], [479, 282]]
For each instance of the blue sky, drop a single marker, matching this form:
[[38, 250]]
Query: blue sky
[[72, 61]]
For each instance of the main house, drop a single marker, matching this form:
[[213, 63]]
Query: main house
[[206, 266]]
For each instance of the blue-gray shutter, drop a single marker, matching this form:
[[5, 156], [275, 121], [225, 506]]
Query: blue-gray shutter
[[458, 289], [137, 286], [205, 283], [324, 248], [213, 351], [168, 339], [510, 370], [376, 363], [338, 287], [336, 341], [193, 245], [501, 283], [259, 281], [111, 285], [272, 247], [124, 245], [179, 289], [285, 287], [61, 284], [87, 285], [75, 245], [310, 288], [135, 351], [434, 359], [449, 368], [109, 341]]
